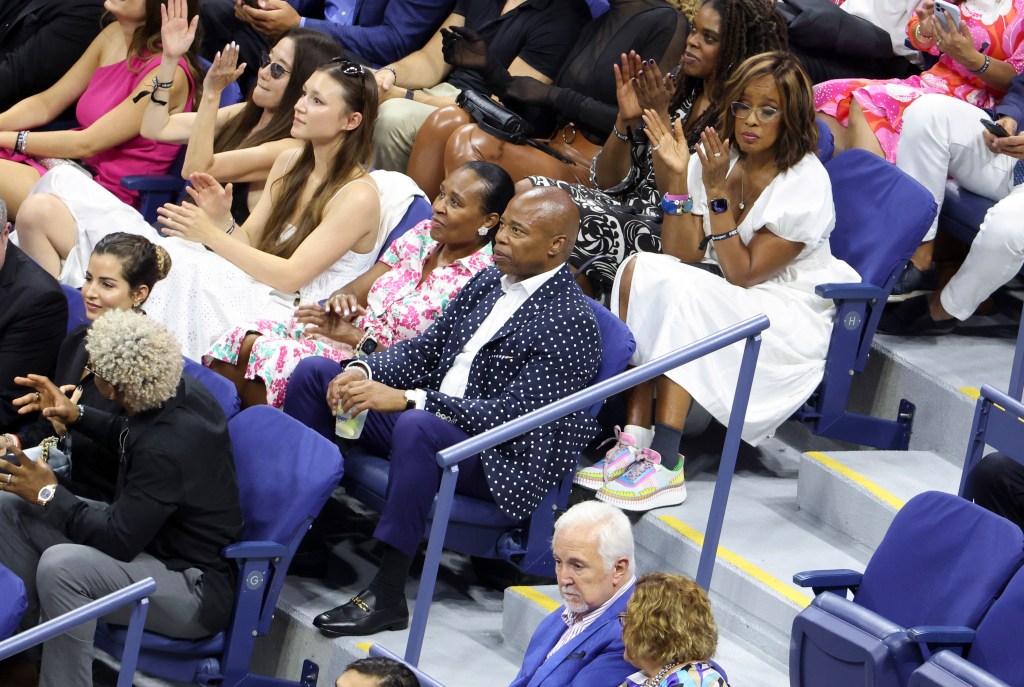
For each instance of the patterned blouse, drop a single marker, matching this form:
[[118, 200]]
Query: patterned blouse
[[697, 674]]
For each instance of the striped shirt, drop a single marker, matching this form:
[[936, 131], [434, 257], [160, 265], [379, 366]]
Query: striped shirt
[[578, 622]]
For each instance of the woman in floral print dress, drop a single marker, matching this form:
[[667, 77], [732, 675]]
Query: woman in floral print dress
[[395, 300]]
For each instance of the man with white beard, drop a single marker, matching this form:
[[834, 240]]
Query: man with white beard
[[580, 643]]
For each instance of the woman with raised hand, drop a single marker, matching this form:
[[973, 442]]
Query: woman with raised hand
[[316, 228], [66, 213], [746, 232], [122, 272], [402, 295], [623, 216], [109, 82]]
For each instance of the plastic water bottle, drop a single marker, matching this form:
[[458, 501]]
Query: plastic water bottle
[[346, 425]]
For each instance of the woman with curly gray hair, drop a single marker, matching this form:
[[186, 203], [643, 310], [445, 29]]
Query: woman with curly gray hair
[[175, 508]]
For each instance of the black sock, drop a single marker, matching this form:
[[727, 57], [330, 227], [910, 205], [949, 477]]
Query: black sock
[[389, 583], [666, 443]]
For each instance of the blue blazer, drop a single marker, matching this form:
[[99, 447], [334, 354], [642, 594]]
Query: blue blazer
[[550, 348], [382, 31], [591, 659]]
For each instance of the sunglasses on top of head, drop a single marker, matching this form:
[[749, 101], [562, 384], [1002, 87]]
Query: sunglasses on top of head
[[276, 70], [347, 67]]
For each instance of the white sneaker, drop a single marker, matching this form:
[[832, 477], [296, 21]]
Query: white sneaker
[[645, 485]]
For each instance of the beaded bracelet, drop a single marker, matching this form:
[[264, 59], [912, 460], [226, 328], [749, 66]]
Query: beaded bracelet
[[392, 70], [619, 135], [984, 67]]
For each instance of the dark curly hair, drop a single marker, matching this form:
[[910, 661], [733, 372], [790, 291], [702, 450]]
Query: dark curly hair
[[748, 27]]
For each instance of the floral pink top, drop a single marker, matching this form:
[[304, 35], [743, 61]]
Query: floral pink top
[[399, 306]]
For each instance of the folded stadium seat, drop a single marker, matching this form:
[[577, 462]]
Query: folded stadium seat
[[999, 424], [221, 388], [962, 212], [286, 472], [943, 562], [76, 307], [826, 142], [993, 654], [13, 602], [478, 527], [881, 216], [156, 189]]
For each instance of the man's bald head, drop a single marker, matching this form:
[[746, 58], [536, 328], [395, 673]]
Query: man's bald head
[[537, 232]]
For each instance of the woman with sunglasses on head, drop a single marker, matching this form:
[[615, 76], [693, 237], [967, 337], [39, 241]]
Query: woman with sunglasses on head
[[122, 272], [402, 295], [754, 204], [316, 228], [621, 214], [66, 213], [109, 82]]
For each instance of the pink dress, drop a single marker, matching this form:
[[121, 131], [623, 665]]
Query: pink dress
[[107, 89], [997, 29], [399, 307]]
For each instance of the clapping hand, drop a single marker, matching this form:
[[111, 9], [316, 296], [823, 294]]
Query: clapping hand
[[214, 199], [653, 90], [189, 222], [176, 31], [223, 72], [671, 154], [714, 158], [625, 93]]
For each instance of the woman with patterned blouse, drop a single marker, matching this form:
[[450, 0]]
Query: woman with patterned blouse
[[396, 300]]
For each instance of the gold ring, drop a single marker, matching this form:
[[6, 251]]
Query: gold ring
[[38, 397]]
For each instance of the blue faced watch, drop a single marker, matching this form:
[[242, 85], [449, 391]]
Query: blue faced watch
[[673, 204]]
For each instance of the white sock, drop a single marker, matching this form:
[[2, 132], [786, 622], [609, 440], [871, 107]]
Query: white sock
[[642, 435]]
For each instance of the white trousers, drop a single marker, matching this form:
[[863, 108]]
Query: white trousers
[[943, 136]]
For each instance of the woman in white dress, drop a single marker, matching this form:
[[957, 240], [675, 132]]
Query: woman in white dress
[[762, 203]]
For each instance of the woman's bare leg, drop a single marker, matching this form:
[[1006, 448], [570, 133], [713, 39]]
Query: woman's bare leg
[[250, 391], [673, 404], [16, 180], [46, 230], [860, 133]]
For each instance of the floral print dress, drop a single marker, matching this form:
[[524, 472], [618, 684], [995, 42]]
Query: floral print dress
[[401, 304], [997, 31], [696, 674]]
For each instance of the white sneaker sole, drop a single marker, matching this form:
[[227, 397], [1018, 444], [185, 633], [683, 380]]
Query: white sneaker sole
[[587, 482], [666, 497]]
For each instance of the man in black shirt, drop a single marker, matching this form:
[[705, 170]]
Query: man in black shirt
[[40, 40], [524, 37]]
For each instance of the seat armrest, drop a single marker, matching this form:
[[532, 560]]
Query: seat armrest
[[849, 292], [153, 182], [829, 580], [254, 549], [942, 635]]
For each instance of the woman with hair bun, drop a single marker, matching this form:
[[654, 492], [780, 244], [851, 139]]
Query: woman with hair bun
[[175, 508], [122, 272], [670, 634]]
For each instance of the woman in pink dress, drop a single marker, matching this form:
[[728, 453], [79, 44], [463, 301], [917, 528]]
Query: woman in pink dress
[[415, 279], [976, 64], [109, 82]]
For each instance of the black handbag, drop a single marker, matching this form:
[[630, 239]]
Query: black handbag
[[501, 122]]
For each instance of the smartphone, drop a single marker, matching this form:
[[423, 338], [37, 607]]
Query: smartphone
[[994, 129], [947, 12]]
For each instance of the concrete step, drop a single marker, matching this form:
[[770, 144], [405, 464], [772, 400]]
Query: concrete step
[[526, 607], [859, 492]]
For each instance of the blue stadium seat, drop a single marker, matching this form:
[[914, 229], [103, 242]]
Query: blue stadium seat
[[76, 307], [221, 388], [962, 213], [943, 562], [478, 527], [826, 142], [377, 651], [286, 472], [418, 211], [13, 602], [947, 669], [881, 216], [156, 189]]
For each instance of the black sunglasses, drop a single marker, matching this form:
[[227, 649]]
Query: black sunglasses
[[276, 70], [347, 67]]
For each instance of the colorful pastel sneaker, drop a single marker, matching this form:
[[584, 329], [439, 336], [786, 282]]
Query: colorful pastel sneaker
[[615, 462], [645, 485]]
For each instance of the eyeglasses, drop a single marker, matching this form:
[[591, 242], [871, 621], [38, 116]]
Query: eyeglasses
[[764, 114], [347, 67], [622, 618], [276, 70]]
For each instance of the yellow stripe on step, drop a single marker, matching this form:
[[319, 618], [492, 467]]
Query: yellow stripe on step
[[738, 561], [542, 600], [971, 392], [879, 493], [364, 646]]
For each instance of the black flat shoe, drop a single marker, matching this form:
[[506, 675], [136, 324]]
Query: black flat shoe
[[913, 318], [913, 282], [360, 616]]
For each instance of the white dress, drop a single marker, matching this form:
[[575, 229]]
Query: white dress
[[204, 294], [672, 304]]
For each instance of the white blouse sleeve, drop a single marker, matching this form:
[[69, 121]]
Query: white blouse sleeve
[[800, 207]]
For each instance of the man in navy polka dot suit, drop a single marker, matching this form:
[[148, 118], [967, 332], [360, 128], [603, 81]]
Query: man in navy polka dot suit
[[519, 336]]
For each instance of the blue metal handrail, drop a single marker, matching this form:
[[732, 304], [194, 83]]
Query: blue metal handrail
[[133, 594], [448, 458]]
